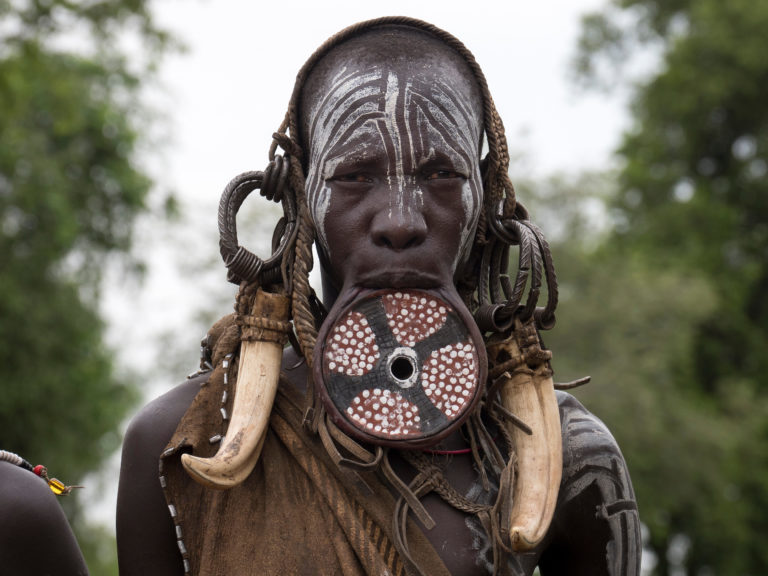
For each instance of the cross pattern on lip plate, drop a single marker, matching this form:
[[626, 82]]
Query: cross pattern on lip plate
[[400, 365]]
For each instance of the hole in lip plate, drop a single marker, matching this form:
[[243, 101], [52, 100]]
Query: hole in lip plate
[[401, 366]]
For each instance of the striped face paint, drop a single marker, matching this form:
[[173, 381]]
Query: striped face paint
[[402, 127]]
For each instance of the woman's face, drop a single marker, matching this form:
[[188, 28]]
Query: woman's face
[[393, 182]]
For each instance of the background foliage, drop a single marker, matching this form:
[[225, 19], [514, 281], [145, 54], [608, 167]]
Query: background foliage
[[666, 306], [70, 190]]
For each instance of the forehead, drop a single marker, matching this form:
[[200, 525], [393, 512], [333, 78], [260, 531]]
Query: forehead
[[409, 114], [403, 73]]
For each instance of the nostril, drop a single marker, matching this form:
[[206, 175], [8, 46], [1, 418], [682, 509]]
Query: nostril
[[400, 240], [413, 242], [398, 234]]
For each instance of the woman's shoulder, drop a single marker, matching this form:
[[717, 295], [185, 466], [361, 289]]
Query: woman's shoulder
[[35, 536]]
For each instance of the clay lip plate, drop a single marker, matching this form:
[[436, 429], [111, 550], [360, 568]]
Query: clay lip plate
[[400, 368]]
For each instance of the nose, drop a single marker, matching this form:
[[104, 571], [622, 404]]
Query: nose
[[399, 227]]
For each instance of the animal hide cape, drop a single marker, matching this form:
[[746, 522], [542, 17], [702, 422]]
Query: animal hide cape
[[297, 513]]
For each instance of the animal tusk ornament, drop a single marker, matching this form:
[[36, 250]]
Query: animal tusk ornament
[[527, 391], [263, 337]]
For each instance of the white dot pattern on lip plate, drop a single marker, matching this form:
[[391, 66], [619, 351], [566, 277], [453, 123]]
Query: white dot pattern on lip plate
[[413, 317], [370, 396], [384, 413], [352, 348], [449, 377]]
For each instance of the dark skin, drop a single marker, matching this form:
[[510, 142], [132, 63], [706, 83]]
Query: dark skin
[[35, 538], [391, 216]]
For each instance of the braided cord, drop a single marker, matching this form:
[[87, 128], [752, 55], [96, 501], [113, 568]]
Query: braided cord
[[15, 459]]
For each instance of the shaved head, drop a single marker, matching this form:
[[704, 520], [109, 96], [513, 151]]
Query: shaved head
[[387, 47]]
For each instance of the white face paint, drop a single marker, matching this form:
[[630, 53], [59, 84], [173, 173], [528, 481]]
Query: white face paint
[[407, 120]]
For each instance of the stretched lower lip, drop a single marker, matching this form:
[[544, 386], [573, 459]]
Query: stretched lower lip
[[400, 279]]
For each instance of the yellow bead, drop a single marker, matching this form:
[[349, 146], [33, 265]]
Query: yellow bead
[[57, 487]]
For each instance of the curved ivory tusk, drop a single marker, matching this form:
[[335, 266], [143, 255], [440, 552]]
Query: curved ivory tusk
[[529, 394], [539, 457], [258, 375]]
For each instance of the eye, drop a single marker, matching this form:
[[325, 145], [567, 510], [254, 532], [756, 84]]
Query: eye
[[352, 178], [443, 175]]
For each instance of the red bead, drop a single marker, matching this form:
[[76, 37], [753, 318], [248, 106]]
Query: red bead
[[39, 470]]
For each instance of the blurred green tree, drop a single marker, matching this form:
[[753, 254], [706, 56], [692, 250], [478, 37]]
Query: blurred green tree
[[632, 327], [690, 233], [70, 191]]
